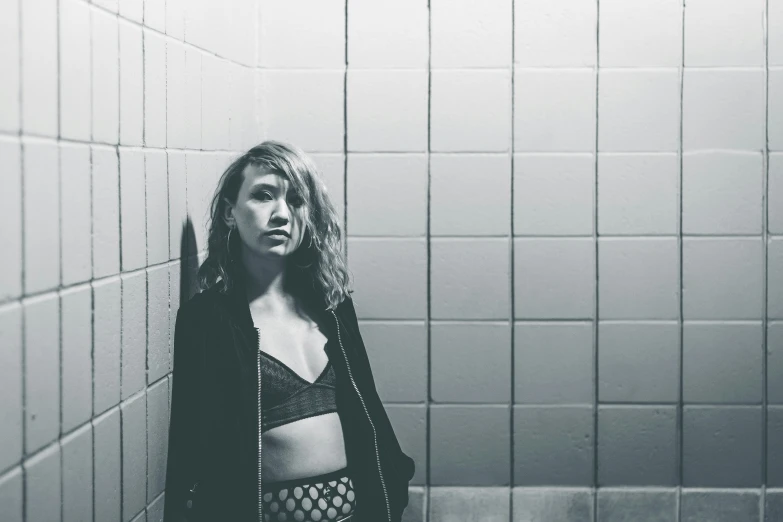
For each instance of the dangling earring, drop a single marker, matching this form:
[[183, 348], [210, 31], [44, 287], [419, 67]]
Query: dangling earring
[[228, 244]]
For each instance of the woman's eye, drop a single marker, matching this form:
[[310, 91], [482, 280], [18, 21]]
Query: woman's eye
[[297, 201]]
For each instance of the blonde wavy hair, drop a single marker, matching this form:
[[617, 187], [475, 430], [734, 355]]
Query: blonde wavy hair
[[318, 268]]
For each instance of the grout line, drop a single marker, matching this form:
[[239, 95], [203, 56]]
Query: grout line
[[428, 319], [765, 287], [596, 318], [512, 310], [23, 274], [680, 420], [345, 139]]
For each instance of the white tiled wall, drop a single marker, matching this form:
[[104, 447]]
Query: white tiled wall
[[582, 194], [111, 111]]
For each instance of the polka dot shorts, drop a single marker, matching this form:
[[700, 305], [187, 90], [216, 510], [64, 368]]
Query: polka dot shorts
[[329, 497]]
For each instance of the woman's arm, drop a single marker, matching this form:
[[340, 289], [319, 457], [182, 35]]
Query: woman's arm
[[183, 425]]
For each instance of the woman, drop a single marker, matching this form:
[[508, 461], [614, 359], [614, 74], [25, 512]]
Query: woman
[[312, 441]]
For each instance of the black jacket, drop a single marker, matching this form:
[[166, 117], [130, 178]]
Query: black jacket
[[213, 453]]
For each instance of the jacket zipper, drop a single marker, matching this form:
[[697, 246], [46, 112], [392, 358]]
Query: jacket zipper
[[374, 435], [258, 369]]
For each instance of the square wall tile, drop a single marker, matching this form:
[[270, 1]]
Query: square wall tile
[[388, 34], [108, 466], [10, 64], [553, 194], [76, 365], [775, 108], [543, 504], [106, 79], [639, 110], [469, 278], [724, 33], [43, 486], [387, 110], [721, 446], [12, 494], [41, 170], [478, 182], [215, 108], [132, 216], [638, 194], [380, 186], [734, 183], [554, 278], [554, 109], [74, 35], [775, 36], [157, 309], [540, 375], [176, 95], [390, 277], [107, 306], [39, 73], [131, 79], [398, 355], [450, 504], [555, 34], [134, 444], [105, 211], [455, 457], [410, 427], [638, 362], [305, 108], [154, 89], [722, 363], [11, 387], [553, 446], [459, 123], [42, 371], [177, 205], [134, 332], [157, 206], [775, 278], [627, 504], [470, 362], [11, 216], [75, 226], [416, 509], [175, 18], [645, 33], [638, 278], [723, 277], [157, 437], [193, 98], [77, 466], [723, 109], [775, 363], [637, 445], [155, 15], [131, 9], [466, 33], [332, 169], [301, 33], [774, 446], [719, 506]]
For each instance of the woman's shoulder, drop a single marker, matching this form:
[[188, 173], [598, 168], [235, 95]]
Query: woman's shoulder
[[199, 304]]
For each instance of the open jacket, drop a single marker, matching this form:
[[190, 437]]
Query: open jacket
[[215, 448]]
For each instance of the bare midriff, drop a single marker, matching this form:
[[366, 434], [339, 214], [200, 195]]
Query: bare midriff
[[307, 447]]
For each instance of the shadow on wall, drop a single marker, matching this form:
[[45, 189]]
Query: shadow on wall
[[188, 252]]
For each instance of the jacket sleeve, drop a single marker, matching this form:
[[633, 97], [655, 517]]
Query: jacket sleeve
[[183, 424], [404, 466]]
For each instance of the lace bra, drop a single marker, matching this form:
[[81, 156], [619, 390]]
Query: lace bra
[[287, 397]]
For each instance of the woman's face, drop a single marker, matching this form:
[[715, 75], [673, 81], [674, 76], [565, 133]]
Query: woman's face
[[267, 201]]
